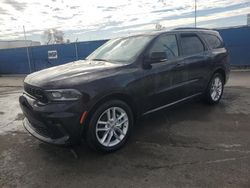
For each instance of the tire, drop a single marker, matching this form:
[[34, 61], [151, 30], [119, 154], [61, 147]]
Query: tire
[[214, 90], [107, 132]]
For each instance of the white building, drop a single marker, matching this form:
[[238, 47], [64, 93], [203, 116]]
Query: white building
[[18, 44]]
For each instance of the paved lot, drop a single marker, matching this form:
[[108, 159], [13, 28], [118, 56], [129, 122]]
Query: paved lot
[[191, 145]]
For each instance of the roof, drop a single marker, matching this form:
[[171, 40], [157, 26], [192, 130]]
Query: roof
[[176, 30], [181, 29]]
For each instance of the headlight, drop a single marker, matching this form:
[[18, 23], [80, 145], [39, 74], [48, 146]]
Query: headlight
[[63, 94]]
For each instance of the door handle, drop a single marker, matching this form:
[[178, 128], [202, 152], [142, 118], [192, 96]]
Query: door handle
[[178, 65]]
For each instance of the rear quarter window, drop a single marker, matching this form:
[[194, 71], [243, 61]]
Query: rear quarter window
[[213, 41]]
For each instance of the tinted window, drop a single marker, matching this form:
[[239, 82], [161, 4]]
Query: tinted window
[[191, 44], [167, 44], [213, 41]]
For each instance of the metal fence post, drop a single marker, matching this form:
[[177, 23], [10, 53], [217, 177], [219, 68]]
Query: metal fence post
[[76, 50], [27, 49]]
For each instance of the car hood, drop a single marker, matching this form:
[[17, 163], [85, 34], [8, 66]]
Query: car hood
[[70, 73]]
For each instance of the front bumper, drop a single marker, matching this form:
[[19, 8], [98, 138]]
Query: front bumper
[[58, 141], [55, 123]]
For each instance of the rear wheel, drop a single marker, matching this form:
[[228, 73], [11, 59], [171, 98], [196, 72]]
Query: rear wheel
[[215, 89], [110, 126]]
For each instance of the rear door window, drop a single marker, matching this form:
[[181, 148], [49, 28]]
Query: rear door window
[[191, 44]]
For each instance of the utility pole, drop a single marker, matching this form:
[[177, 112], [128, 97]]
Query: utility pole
[[27, 48], [195, 12]]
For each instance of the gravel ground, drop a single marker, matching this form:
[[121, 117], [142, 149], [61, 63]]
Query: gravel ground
[[190, 145]]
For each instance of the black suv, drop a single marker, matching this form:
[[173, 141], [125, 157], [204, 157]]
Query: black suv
[[100, 97]]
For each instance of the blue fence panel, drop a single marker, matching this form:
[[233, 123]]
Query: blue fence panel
[[39, 55], [236, 36], [15, 61], [237, 41], [239, 55]]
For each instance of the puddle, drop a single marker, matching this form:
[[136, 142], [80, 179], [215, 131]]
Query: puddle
[[229, 145]]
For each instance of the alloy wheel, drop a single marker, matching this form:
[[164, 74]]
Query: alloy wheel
[[112, 126], [216, 89]]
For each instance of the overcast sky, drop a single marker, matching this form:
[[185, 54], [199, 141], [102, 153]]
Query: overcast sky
[[99, 19]]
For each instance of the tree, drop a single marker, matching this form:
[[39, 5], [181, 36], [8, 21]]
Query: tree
[[53, 36], [67, 41], [159, 27]]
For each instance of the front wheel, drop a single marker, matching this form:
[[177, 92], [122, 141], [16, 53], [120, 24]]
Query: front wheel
[[110, 126], [215, 89]]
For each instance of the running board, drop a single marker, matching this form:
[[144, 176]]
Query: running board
[[170, 104]]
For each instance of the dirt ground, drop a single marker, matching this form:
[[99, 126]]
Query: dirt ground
[[190, 145]]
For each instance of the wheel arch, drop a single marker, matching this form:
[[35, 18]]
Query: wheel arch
[[222, 72], [114, 96]]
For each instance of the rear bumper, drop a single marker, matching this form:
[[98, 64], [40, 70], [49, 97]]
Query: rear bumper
[[57, 123]]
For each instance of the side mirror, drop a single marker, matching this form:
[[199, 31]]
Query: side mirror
[[158, 57], [154, 57]]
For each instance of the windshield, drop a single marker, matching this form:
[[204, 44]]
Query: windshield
[[120, 50]]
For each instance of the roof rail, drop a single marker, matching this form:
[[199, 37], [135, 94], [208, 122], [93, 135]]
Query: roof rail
[[180, 28]]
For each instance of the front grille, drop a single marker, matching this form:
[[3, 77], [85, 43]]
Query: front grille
[[35, 92]]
